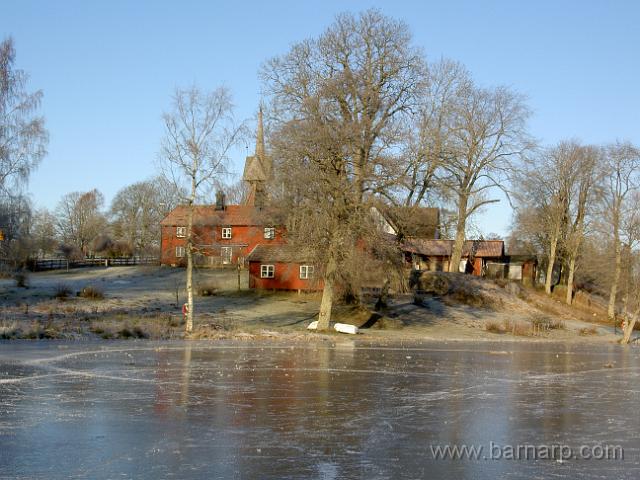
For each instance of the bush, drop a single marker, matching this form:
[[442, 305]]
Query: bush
[[91, 292], [135, 332], [517, 328], [62, 291], [207, 289], [22, 280], [588, 331], [433, 282], [494, 326]]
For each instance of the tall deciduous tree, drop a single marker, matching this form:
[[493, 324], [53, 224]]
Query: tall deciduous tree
[[23, 137], [200, 132], [621, 181], [339, 102], [489, 135], [137, 210], [80, 219]]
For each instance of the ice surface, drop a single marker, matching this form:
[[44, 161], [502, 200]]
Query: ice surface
[[268, 410]]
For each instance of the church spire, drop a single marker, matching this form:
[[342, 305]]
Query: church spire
[[260, 136]]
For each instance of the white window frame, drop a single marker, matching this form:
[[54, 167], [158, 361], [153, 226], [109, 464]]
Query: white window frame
[[227, 259], [267, 271], [181, 232], [226, 233], [180, 251], [269, 233], [306, 272]]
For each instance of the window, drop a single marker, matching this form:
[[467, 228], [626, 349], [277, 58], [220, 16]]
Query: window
[[267, 271], [306, 272], [226, 232], [181, 232], [269, 233], [179, 252], [227, 254]]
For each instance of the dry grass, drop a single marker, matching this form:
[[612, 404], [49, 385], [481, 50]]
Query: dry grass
[[516, 328], [92, 292], [588, 331], [62, 291]]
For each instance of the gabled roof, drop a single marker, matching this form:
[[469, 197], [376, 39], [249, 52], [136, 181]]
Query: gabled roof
[[443, 248], [208, 215], [279, 253]]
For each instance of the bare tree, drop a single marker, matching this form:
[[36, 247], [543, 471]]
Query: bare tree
[[80, 219], [199, 133], [621, 181], [43, 233], [489, 135], [587, 170], [23, 138], [137, 210], [338, 103], [429, 132]]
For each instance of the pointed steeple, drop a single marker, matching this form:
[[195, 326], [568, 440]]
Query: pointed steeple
[[260, 135]]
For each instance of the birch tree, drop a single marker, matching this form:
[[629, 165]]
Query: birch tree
[[23, 137], [200, 132]]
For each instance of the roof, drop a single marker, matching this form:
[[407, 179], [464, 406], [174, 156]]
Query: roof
[[279, 254], [254, 170], [208, 215], [419, 222], [443, 248]]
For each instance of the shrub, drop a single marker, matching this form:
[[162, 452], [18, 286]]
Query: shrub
[[92, 292], [62, 291], [207, 289], [588, 331], [494, 326], [8, 330], [517, 328], [22, 280]]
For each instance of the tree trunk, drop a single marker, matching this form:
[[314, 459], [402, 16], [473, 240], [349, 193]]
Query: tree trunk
[[630, 326], [572, 269], [458, 244], [552, 260], [192, 201], [611, 311], [324, 317]]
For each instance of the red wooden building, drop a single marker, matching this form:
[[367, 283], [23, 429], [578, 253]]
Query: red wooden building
[[222, 234], [282, 267]]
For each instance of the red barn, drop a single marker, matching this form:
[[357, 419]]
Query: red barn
[[282, 267]]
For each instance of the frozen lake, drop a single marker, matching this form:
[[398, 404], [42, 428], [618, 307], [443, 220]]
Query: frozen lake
[[264, 410]]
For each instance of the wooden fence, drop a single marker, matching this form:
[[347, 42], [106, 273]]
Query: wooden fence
[[64, 264]]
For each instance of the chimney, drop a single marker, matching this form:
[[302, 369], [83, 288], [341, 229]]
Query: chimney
[[220, 201]]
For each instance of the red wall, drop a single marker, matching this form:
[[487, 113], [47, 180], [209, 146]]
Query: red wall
[[287, 277], [208, 241]]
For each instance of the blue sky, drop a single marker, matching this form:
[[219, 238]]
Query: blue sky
[[108, 68]]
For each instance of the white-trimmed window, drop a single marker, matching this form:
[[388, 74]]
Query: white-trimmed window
[[181, 232], [226, 233], [227, 255], [179, 252], [306, 272], [267, 271], [269, 233]]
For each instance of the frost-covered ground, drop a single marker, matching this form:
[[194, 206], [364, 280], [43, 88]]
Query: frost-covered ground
[[146, 301], [332, 410]]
